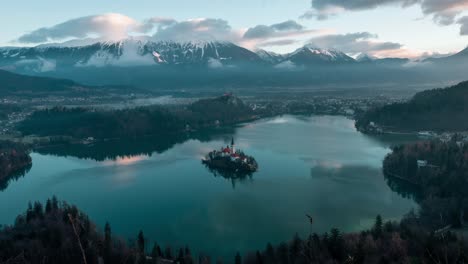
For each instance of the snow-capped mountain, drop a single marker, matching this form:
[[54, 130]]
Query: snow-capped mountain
[[368, 59], [365, 58], [270, 57], [310, 55], [457, 58], [130, 52]]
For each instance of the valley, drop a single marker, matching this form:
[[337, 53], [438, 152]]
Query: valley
[[237, 132]]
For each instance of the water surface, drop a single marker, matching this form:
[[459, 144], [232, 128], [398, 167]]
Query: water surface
[[308, 165]]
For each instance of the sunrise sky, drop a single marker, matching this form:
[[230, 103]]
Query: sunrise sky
[[385, 28]]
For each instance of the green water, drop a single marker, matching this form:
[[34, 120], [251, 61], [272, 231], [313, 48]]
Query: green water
[[316, 165]]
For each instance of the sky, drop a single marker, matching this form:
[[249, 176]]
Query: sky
[[383, 28]]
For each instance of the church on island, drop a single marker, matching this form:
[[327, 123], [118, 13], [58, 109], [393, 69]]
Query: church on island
[[230, 151], [230, 158]]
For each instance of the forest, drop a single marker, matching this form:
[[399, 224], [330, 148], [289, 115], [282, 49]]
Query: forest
[[135, 122], [60, 233], [438, 172], [14, 162], [433, 110]]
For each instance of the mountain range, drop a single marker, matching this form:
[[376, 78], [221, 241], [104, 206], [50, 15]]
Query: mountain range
[[132, 52], [161, 63]]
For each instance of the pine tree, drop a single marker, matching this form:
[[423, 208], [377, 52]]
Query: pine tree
[[238, 259], [156, 252], [107, 243], [29, 212], [48, 207], [295, 248], [359, 255], [378, 227], [283, 253], [141, 243], [259, 258], [54, 203], [180, 256], [187, 251], [168, 253], [336, 245]]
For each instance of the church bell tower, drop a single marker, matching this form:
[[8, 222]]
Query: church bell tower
[[233, 146]]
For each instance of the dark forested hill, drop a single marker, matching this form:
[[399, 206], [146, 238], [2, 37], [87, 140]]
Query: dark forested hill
[[438, 171], [141, 121], [435, 110], [14, 162], [12, 84]]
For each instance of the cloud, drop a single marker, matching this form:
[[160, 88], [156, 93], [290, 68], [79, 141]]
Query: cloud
[[214, 63], [281, 42], [361, 42], [280, 34], [286, 65], [207, 29], [443, 12], [38, 65], [117, 26], [287, 25], [464, 25], [276, 30], [109, 26], [130, 56]]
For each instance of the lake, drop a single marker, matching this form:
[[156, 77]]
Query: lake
[[317, 165]]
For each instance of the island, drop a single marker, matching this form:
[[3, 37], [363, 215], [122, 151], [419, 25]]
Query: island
[[230, 159]]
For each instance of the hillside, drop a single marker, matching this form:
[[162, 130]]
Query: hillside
[[12, 84], [136, 122], [14, 162], [435, 110]]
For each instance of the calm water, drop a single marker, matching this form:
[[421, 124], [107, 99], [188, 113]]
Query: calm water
[[315, 165]]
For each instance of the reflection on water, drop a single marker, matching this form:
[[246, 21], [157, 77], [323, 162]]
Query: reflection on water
[[115, 149], [404, 188], [231, 176], [315, 165], [14, 177]]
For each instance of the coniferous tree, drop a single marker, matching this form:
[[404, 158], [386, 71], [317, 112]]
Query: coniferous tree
[[270, 254], [360, 254], [336, 245], [283, 253], [107, 243], [54, 203], [238, 259], [295, 247], [141, 242], [168, 253], [29, 212], [187, 251], [48, 207], [156, 252], [180, 256], [378, 227], [259, 258]]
